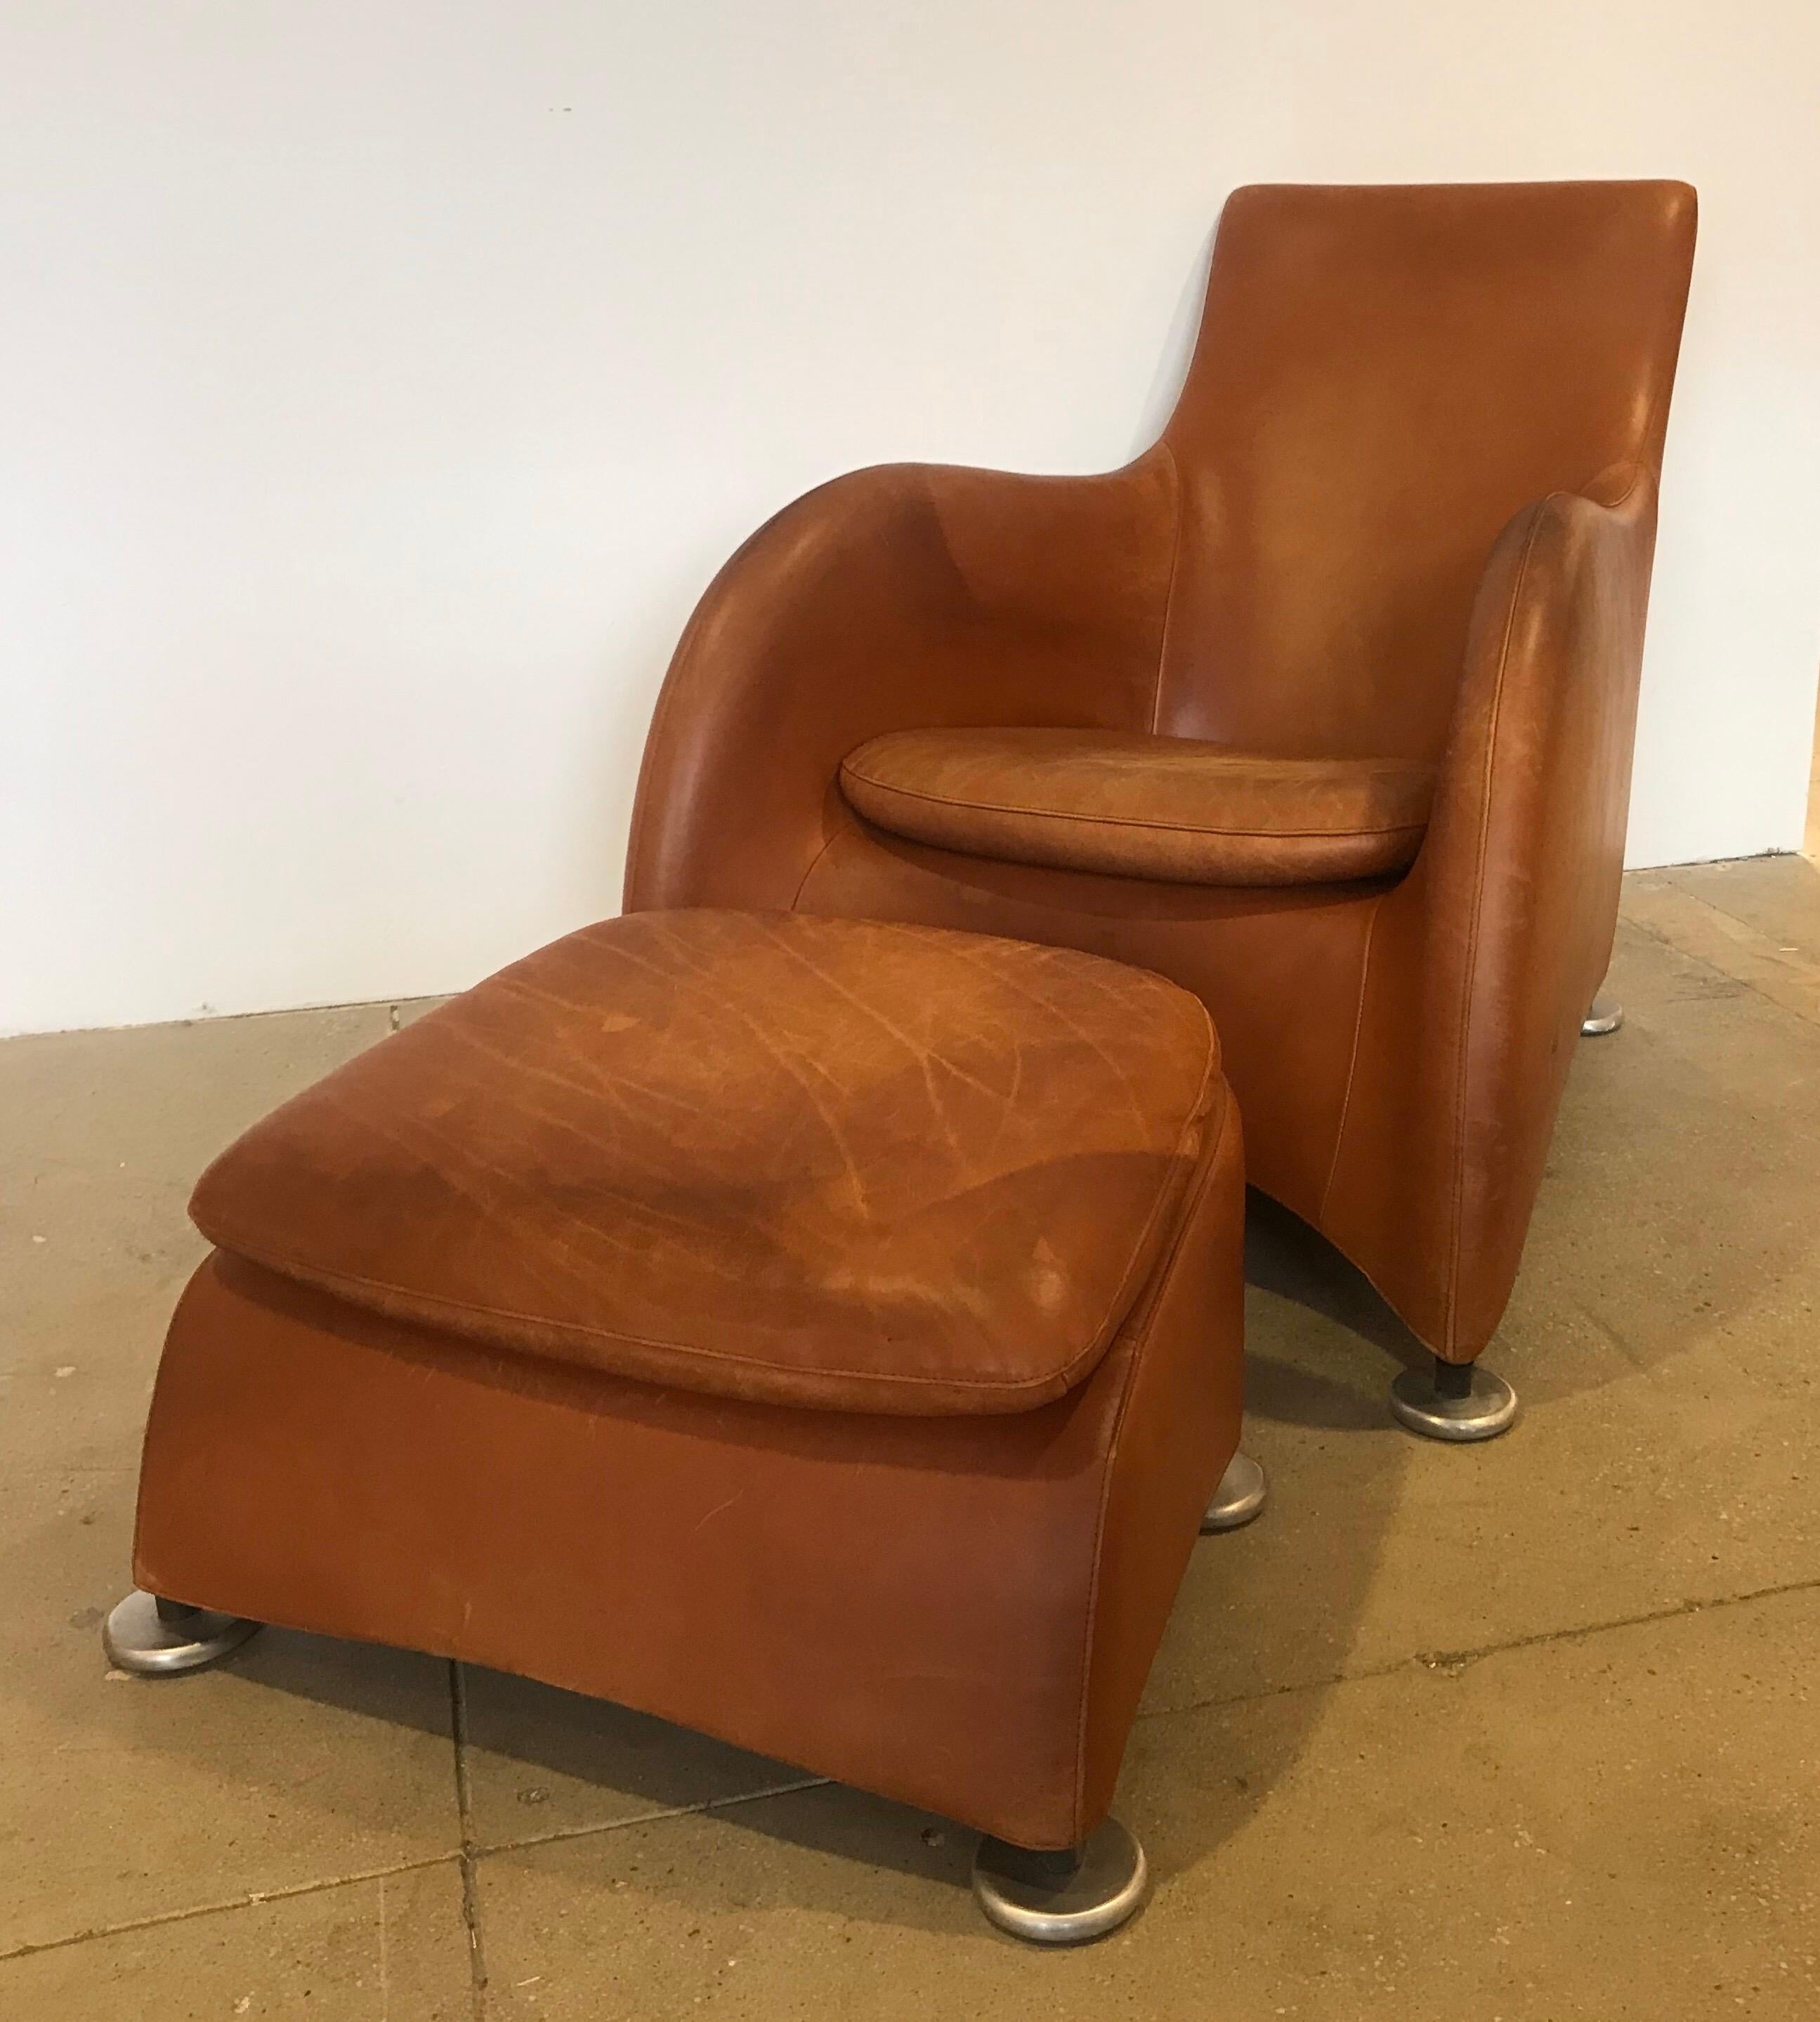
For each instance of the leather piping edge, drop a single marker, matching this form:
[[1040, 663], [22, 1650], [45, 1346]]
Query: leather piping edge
[[848, 770], [430, 1309]]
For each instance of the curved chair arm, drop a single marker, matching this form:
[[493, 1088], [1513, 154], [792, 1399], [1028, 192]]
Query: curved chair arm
[[903, 595], [1483, 961]]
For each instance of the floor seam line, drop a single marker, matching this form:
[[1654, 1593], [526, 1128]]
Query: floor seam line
[[1773, 949], [1666, 940], [465, 1859], [565, 1833], [1438, 1660], [250, 1900]]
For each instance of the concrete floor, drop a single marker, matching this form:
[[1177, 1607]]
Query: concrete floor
[[1529, 1733]]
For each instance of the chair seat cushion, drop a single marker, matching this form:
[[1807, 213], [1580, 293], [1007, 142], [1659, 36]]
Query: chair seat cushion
[[819, 1161], [1132, 805]]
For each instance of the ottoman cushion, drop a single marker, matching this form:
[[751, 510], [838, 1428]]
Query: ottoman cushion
[[810, 1161]]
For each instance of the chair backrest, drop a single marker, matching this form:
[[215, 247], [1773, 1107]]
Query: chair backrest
[[1384, 376]]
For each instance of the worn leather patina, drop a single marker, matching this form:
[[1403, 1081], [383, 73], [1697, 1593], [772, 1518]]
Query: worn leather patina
[[823, 1333], [1133, 804], [1402, 517], [881, 1168], [825, 1329]]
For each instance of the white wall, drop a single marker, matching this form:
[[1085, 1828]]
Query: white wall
[[386, 377]]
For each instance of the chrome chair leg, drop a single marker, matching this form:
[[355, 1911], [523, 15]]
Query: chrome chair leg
[[1606, 1015], [155, 1638], [1238, 1499], [1062, 1899], [1457, 1401]]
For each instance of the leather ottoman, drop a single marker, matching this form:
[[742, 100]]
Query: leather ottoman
[[823, 1333]]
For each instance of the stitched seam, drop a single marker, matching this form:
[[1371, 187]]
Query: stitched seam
[[1640, 465], [1659, 399], [843, 828], [1352, 1064], [1636, 478], [1459, 1186], [142, 1492], [1218, 758], [1189, 1206], [456, 1308], [1060, 815], [1156, 706]]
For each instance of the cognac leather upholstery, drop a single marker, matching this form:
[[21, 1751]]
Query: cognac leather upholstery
[[830, 1165], [1135, 805], [967, 1215], [1404, 511]]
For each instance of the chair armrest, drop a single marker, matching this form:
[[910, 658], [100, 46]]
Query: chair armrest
[[1526, 842], [897, 597], [1484, 959]]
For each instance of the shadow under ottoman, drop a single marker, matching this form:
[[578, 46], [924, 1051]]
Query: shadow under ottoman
[[824, 1335]]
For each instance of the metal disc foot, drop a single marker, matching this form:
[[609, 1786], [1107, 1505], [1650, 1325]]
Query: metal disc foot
[[1239, 1496], [1456, 1401], [1062, 1899], [158, 1639], [1606, 1015]]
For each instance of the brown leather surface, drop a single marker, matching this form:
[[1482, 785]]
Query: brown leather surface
[[957, 1611], [1382, 377], [1126, 804], [1279, 969], [1494, 946], [1316, 560], [903, 597], [874, 1167]]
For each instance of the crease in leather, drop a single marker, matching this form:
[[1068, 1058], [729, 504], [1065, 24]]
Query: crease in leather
[[1156, 704], [836, 830], [1352, 1057], [1383, 378]]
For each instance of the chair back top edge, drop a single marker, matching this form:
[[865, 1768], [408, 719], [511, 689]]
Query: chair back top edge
[[1384, 375]]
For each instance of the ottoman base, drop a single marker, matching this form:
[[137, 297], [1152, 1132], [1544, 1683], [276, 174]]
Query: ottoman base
[[872, 1437], [957, 1612]]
